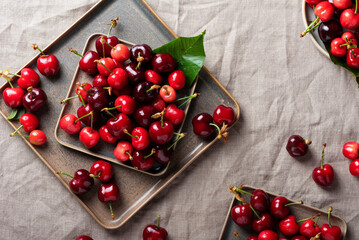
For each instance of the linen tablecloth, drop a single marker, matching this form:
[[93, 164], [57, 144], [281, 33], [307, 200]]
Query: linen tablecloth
[[283, 84]]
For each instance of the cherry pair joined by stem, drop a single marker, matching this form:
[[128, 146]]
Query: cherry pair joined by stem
[[103, 49]]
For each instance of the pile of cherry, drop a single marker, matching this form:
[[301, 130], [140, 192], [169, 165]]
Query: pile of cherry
[[332, 17], [33, 99], [269, 217]]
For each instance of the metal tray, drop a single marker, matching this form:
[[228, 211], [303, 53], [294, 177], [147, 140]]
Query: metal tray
[[136, 188], [300, 211]]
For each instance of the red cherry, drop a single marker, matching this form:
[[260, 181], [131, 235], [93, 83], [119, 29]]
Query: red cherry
[[167, 93], [351, 150], [99, 81], [330, 232], [123, 151], [159, 104], [323, 175], [163, 63], [82, 90], [89, 137], [350, 36], [201, 125], [29, 122], [242, 215], [153, 232], [81, 182], [84, 114], [353, 58], [279, 207], [349, 20], [13, 97], [105, 135], [297, 146], [309, 229], [120, 52], [338, 47], [153, 77], [324, 10], [268, 235], [143, 115], [224, 115], [140, 138], [70, 124], [101, 170], [354, 167], [48, 65], [297, 237], [109, 193], [29, 78], [177, 79], [87, 62], [83, 237], [118, 79], [289, 226], [162, 154], [118, 64], [142, 160], [37, 137], [161, 133], [174, 114], [125, 91], [264, 222], [118, 124], [342, 4], [313, 2], [125, 104], [100, 45], [104, 65], [260, 200]]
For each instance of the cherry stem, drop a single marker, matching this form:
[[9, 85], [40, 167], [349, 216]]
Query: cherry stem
[[66, 99], [113, 24], [242, 191], [181, 135], [35, 47], [293, 203], [238, 197], [82, 100], [215, 125], [129, 134], [329, 213], [255, 212], [311, 27], [98, 61], [5, 74], [151, 153], [305, 219], [188, 98], [95, 176], [29, 89], [109, 113], [316, 221], [63, 173], [12, 134], [139, 60], [103, 47], [307, 141], [111, 211], [109, 89], [354, 56], [75, 52], [162, 115], [153, 87], [109, 109], [158, 221], [91, 123], [237, 235], [17, 75], [109, 44], [321, 161], [129, 155], [356, 7], [19, 135], [83, 88], [86, 115]]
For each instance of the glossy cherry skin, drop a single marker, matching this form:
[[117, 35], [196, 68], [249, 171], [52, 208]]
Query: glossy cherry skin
[[87, 62], [153, 232], [68, 124], [83, 110], [308, 229], [13, 97], [116, 126], [354, 168], [351, 150], [298, 237], [153, 77], [140, 139], [347, 36], [264, 223], [113, 41], [353, 58], [126, 104], [260, 200], [118, 80], [312, 2], [37, 137], [83, 237], [123, 151], [162, 154], [48, 65], [330, 233], [158, 104], [142, 50], [99, 81], [163, 63], [324, 10], [135, 75], [329, 30], [143, 94], [29, 122], [174, 114], [297, 146], [349, 20], [82, 90], [143, 115], [89, 138], [161, 134], [167, 93], [108, 192], [102, 170], [242, 215], [252, 238], [223, 114], [120, 52], [97, 98], [342, 4], [109, 63], [140, 161], [105, 135], [82, 182], [278, 208], [177, 79], [337, 48], [323, 176], [201, 125], [29, 78], [34, 99], [289, 226], [268, 235]]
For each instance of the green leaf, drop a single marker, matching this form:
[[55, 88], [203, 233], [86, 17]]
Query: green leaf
[[20, 112], [12, 114], [188, 53], [342, 62]]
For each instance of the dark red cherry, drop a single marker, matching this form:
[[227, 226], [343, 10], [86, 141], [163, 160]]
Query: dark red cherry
[[109, 193], [101, 170], [34, 99], [85, 110], [83, 237], [242, 215], [279, 207], [329, 30], [154, 232], [265, 222], [260, 200], [135, 75], [142, 160], [201, 125], [143, 115], [289, 226], [163, 63], [297, 146], [81, 182], [141, 53], [99, 81], [162, 154], [97, 98], [224, 115], [309, 229], [125, 104], [323, 175], [29, 78], [161, 133], [70, 124], [145, 92], [117, 125]]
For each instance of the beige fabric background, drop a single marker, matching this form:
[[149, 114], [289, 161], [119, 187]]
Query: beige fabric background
[[283, 84]]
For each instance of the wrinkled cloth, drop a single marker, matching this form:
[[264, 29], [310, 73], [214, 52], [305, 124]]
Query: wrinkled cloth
[[282, 83]]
